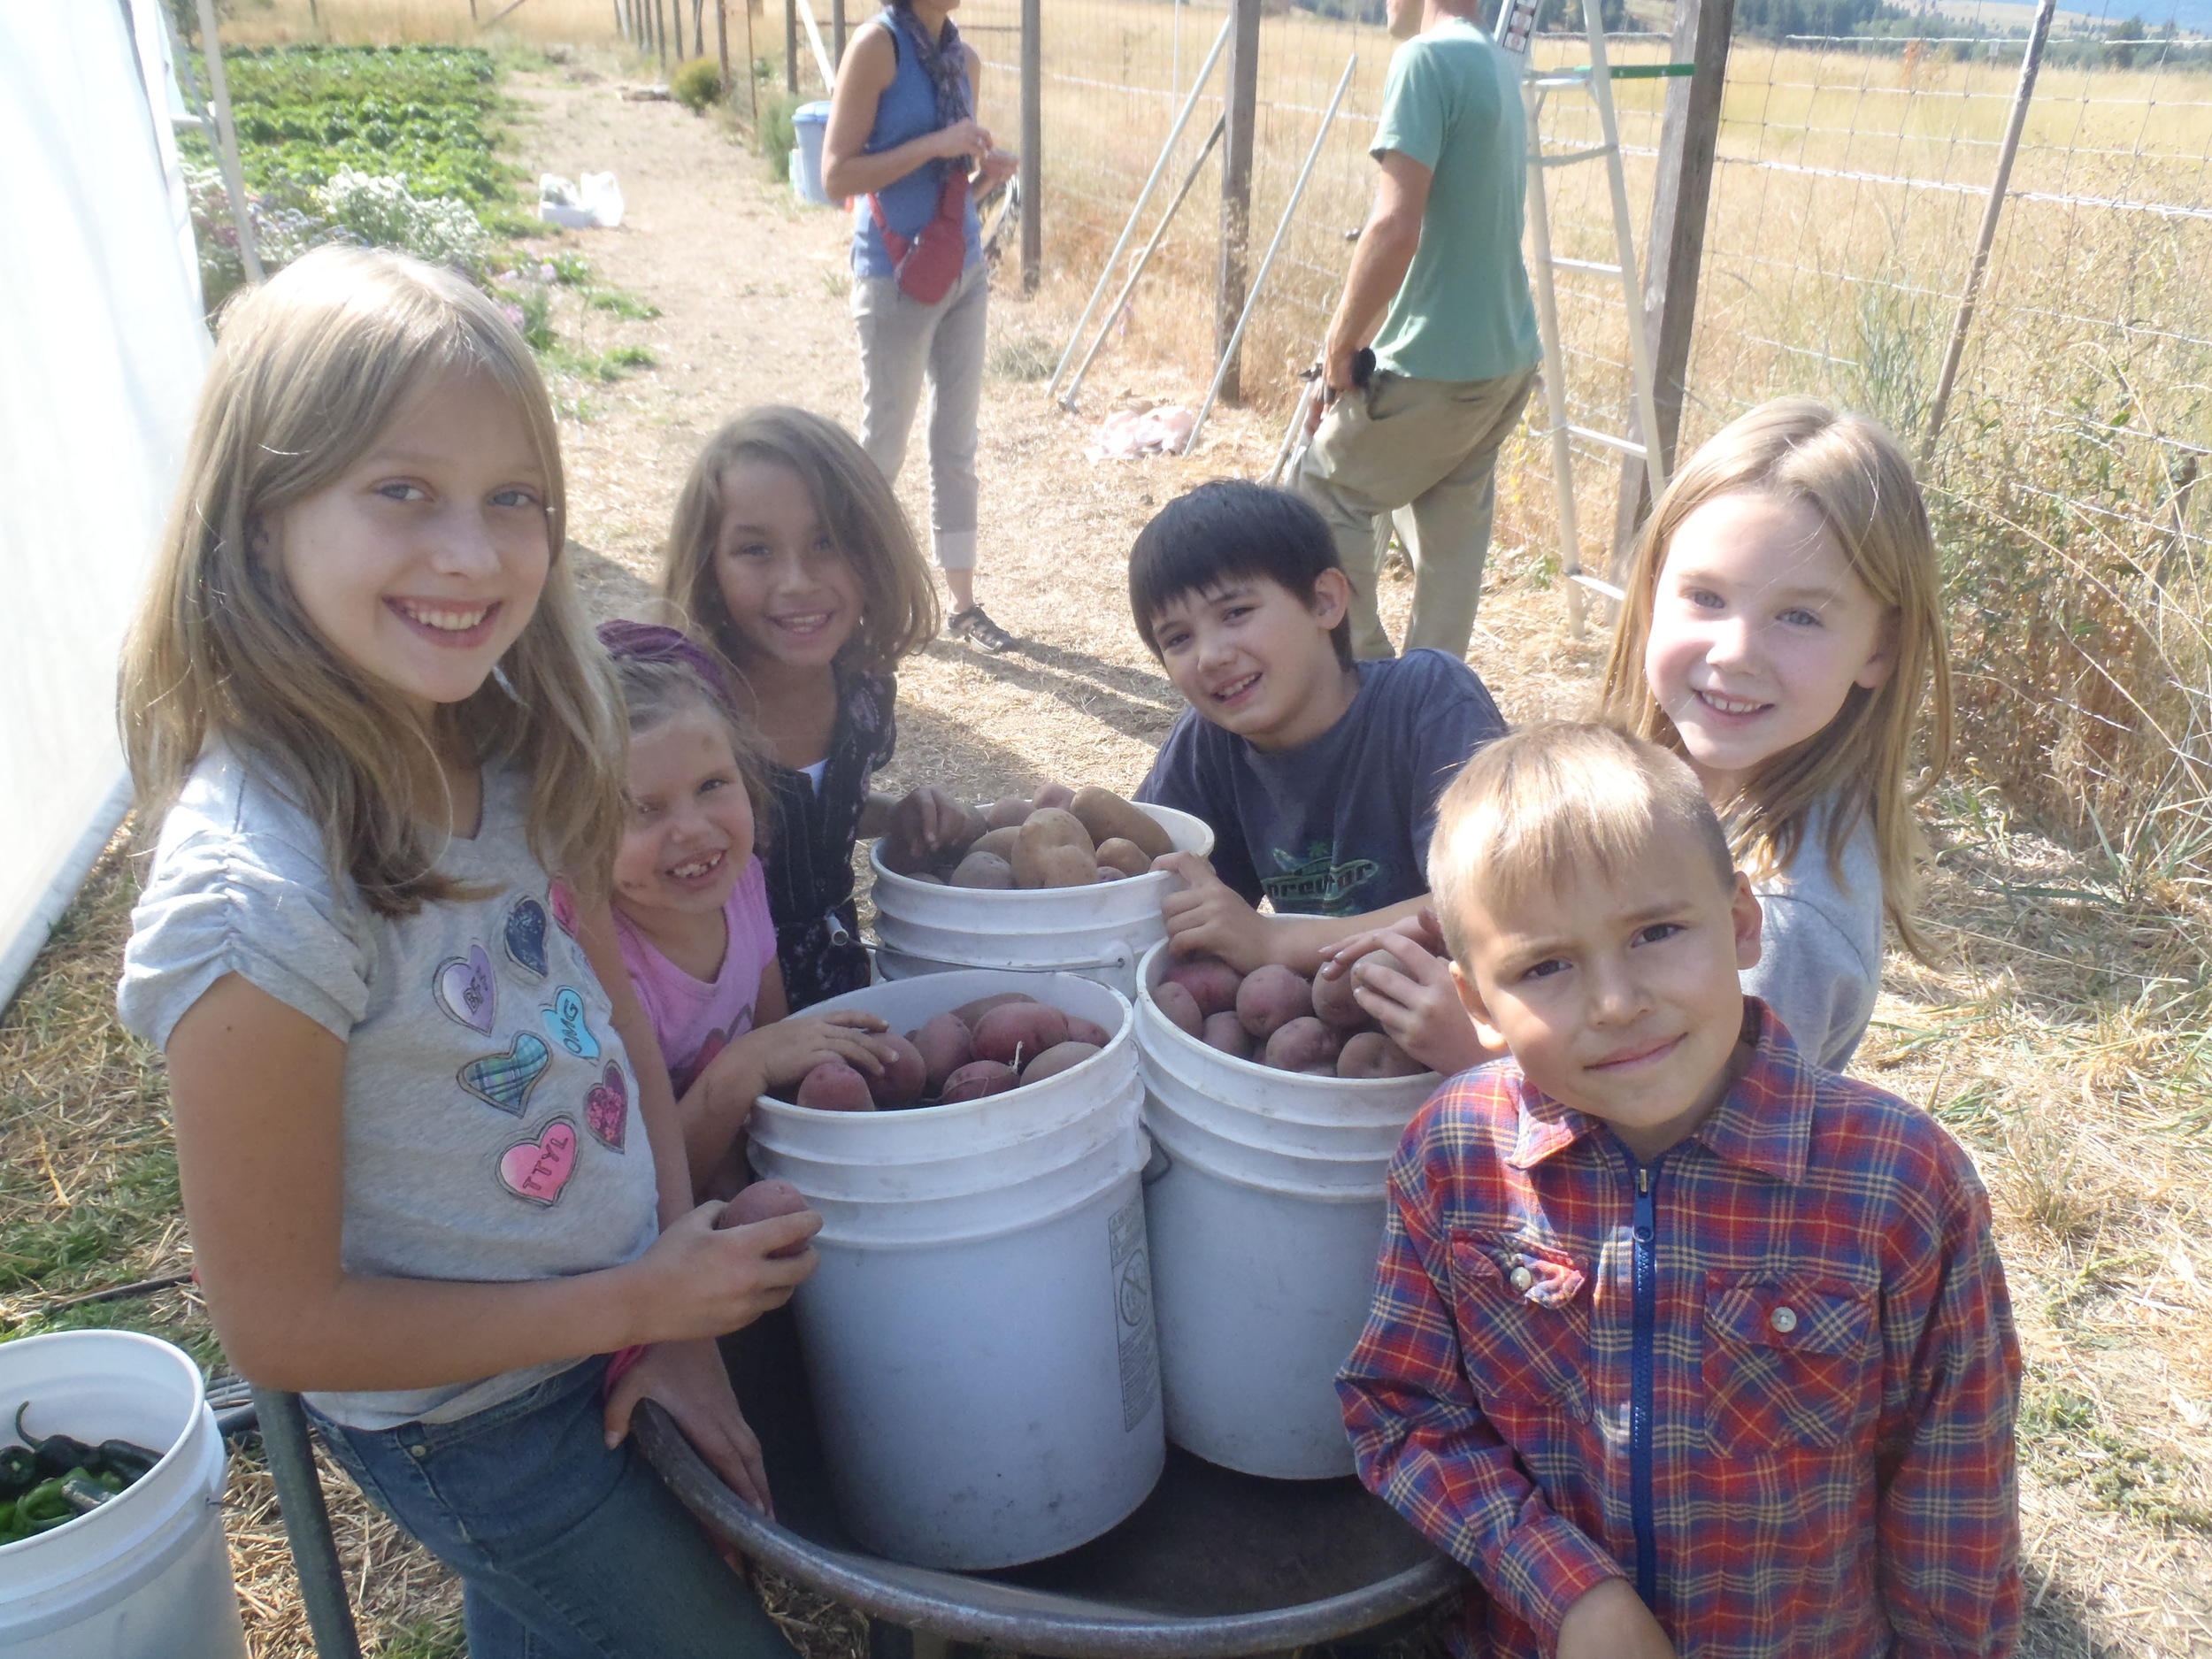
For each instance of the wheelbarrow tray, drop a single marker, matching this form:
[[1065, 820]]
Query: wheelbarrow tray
[[1212, 1563]]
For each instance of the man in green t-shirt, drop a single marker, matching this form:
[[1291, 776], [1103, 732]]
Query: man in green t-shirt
[[1438, 285]]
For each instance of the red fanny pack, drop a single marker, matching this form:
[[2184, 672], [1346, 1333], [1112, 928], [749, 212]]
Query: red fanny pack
[[927, 266]]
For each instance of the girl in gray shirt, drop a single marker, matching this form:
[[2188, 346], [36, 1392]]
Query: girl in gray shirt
[[429, 1157]]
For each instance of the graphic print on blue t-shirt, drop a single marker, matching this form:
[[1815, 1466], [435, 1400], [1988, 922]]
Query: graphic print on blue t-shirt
[[1317, 885]]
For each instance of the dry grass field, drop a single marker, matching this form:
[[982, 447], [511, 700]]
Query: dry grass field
[[2065, 1033]]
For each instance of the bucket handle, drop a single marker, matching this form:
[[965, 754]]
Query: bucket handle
[[1159, 1163]]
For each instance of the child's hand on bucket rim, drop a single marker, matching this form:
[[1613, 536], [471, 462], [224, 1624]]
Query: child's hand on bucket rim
[[689, 1379]]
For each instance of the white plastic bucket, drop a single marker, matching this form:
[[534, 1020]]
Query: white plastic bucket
[[1265, 1225], [1100, 932], [810, 124], [979, 1334], [147, 1574]]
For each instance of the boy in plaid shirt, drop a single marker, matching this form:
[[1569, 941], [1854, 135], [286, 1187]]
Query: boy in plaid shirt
[[1680, 1343]]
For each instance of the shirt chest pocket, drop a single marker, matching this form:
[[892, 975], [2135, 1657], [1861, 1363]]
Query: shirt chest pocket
[[1522, 1311], [1789, 1362]]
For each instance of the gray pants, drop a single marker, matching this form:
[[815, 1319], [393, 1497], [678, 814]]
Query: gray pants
[[1433, 446], [901, 342]]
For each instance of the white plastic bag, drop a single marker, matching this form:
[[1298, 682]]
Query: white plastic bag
[[595, 201], [601, 196]]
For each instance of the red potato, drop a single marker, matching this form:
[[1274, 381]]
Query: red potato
[[1371, 1054], [904, 1074], [1118, 852], [968, 1013], [1007, 812], [1019, 1028], [1179, 1006], [764, 1201], [1333, 1001], [1212, 982], [976, 1079], [1304, 1042], [1270, 998], [1057, 795], [1057, 1059], [944, 1044], [1225, 1032], [835, 1087], [984, 869], [1081, 1030]]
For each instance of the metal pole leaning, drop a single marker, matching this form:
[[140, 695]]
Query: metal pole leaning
[[1182, 119], [1625, 247], [1259, 280], [1555, 366], [226, 141], [1159, 231]]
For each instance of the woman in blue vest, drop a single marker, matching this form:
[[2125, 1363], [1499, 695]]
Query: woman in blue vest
[[902, 128]]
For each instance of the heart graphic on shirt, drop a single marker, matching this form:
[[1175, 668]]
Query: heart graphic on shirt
[[525, 937], [465, 988], [565, 1020], [563, 903], [538, 1169], [607, 1108], [505, 1081]]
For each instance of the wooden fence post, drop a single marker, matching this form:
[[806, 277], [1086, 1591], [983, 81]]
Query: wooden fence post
[[1033, 144], [1688, 133], [722, 49], [791, 47], [837, 33], [1236, 185]]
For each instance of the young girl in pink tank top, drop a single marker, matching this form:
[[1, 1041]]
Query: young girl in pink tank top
[[691, 905]]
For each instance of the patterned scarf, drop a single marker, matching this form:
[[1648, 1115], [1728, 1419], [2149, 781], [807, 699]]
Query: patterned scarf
[[943, 61]]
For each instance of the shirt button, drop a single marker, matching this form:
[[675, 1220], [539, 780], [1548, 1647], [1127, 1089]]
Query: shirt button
[[1523, 1278], [1782, 1319]]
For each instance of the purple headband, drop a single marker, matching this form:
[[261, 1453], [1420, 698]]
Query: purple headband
[[629, 642]]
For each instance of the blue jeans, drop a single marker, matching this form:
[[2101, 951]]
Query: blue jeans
[[565, 1550]]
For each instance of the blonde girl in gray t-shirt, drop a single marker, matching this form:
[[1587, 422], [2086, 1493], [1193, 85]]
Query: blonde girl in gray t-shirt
[[429, 1157], [1783, 633]]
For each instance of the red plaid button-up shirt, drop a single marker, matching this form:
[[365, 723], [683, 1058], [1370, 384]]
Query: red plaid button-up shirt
[[1769, 1377]]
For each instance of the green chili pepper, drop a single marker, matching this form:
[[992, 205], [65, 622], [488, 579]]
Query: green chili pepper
[[58, 1454], [41, 1502], [19, 1472], [129, 1461]]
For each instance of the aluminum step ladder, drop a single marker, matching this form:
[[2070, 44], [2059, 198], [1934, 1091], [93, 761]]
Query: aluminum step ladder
[[1515, 27]]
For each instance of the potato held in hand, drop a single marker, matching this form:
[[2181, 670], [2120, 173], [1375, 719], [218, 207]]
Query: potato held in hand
[[764, 1201], [1333, 1003], [835, 1087], [1053, 850], [1107, 816], [1026, 1028]]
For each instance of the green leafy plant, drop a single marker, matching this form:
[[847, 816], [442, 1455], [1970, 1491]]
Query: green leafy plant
[[777, 133], [696, 84]]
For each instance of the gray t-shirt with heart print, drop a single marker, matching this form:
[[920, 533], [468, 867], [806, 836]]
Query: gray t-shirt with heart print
[[491, 1128]]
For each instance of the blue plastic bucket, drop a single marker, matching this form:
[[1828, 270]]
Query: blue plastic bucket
[[810, 124]]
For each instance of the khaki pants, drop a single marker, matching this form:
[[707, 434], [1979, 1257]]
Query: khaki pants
[[1431, 446]]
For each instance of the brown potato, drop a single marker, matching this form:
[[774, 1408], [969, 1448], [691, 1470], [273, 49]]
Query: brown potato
[[978, 1079], [968, 1013], [1056, 867], [904, 1074], [944, 1044], [1109, 818], [984, 869], [1124, 855], [1057, 1059], [764, 1201], [1225, 1032], [1303, 1042], [835, 1087], [1007, 812], [1179, 1006], [1081, 1030], [999, 841], [1027, 1029], [1050, 829], [1210, 980], [1271, 997], [1056, 795], [1107, 872], [1333, 1001], [1371, 1054]]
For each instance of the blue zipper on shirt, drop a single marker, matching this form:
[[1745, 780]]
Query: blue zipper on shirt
[[1642, 1339]]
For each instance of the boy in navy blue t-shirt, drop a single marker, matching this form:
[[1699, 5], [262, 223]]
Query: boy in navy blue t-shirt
[[1319, 775]]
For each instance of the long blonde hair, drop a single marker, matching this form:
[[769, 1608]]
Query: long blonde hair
[[312, 368], [1849, 469], [898, 608]]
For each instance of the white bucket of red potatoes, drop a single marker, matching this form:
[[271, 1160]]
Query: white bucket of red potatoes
[[1060, 881], [979, 1335], [1276, 1108]]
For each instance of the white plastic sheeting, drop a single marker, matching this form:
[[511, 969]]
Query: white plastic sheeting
[[102, 347]]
